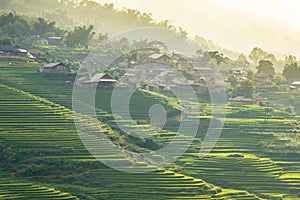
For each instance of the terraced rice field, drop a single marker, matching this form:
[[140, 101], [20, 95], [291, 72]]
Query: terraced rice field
[[47, 129], [239, 161], [40, 123], [23, 190]]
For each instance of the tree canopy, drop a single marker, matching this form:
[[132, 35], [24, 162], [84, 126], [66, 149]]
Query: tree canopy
[[246, 88], [80, 36], [266, 67], [291, 71]]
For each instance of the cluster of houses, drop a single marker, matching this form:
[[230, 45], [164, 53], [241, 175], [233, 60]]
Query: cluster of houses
[[52, 40], [9, 50], [102, 79], [159, 78], [157, 75]]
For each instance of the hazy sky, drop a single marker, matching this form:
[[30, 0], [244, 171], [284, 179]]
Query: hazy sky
[[240, 25]]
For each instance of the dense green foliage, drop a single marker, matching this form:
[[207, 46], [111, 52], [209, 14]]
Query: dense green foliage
[[14, 28], [266, 67], [291, 71], [246, 88]]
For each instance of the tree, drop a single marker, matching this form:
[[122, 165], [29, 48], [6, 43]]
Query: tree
[[7, 41], [42, 26], [250, 73], [291, 71], [80, 36], [14, 25], [266, 67], [246, 88], [202, 58], [159, 45], [182, 33], [242, 60], [219, 57], [141, 44], [289, 59], [232, 79], [257, 54]]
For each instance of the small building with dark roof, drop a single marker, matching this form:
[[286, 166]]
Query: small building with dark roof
[[102, 79], [241, 100], [57, 41], [59, 68], [160, 58]]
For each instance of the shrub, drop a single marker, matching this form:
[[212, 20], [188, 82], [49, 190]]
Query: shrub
[[235, 155]]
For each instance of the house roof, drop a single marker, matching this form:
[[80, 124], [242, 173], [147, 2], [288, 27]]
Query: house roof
[[50, 65], [81, 79], [107, 80], [241, 98], [128, 74], [54, 38], [99, 78], [236, 69], [203, 68], [296, 83], [157, 56], [42, 39], [159, 84], [22, 50], [31, 56], [179, 55], [179, 81]]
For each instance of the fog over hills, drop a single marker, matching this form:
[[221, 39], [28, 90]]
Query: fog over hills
[[233, 24]]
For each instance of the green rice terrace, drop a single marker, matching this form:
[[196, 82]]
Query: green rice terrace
[[42, 156]]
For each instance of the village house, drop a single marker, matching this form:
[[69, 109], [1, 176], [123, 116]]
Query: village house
[[260, 98], [57, 41], [295, 86], [128, 77], [160, 86], [241, 100], [203, 72], [38, 39], [237, 71], [263, 77], [43, 41], [102, 79], [180, 60], [156, 70], [8, 50], [160, 58], [59, 68]]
